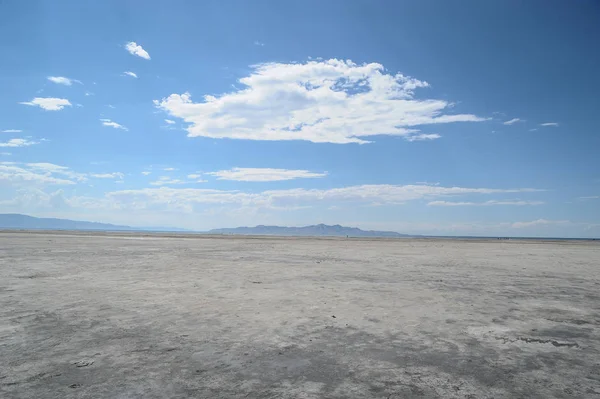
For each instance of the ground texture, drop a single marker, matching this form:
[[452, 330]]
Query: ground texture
[[132, 316]]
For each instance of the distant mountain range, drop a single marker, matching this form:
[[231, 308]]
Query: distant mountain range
[[25, 222], [16, 221], [319, 230]]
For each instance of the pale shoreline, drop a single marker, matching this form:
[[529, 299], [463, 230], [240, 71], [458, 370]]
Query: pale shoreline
[[177, 234]]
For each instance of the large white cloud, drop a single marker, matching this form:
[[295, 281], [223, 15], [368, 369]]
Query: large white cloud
[[48, 103], [263, 174], [331, 101]]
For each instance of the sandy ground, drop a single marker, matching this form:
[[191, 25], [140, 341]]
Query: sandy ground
[[130, 316]]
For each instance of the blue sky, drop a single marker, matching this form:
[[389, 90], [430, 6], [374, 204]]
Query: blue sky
[[419, 117]]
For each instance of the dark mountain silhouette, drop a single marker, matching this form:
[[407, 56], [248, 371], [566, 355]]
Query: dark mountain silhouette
[[18, 221], [25, 222], [15, 221]]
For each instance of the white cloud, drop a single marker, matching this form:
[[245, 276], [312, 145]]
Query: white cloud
[[88, 93], [169, 169], [170, 122], [330, 101], [19, 175], [382, 194], [166, 180], [48, 103], [422, 137], [5, 153], [114, 175], [263, 174], [115, 125], [146, 173], [135, 49], [539, 222], [590, 197], [549, 124], [194, 176], [129, 73], [533, 130], [47, 167], [51, 168], [111, 106], [61, 80], [18, 143], [32, 197], [486, 203], [12, 131], [513, 121], [257, 43]]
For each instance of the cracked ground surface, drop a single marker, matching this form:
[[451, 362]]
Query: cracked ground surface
[[148, 316]]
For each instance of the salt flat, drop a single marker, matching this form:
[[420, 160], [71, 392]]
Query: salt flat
[[87, 315]]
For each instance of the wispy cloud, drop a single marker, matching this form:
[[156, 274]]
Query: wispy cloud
[[331, 101], [513, 121], [129, 73], [115, 125], [23, 175], [18, 143], [263, 174], [61, 80], [422, 137], [169, 169], [12, 131], [257, 43], [51, 168], [589, 197], [549, 124], [167, 181], [356, 195], [48, 103], [111, 106], [38, 173], [136, 49], [486, 203], [169, 121], [114, 175], [146, 173], [538, 222]]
